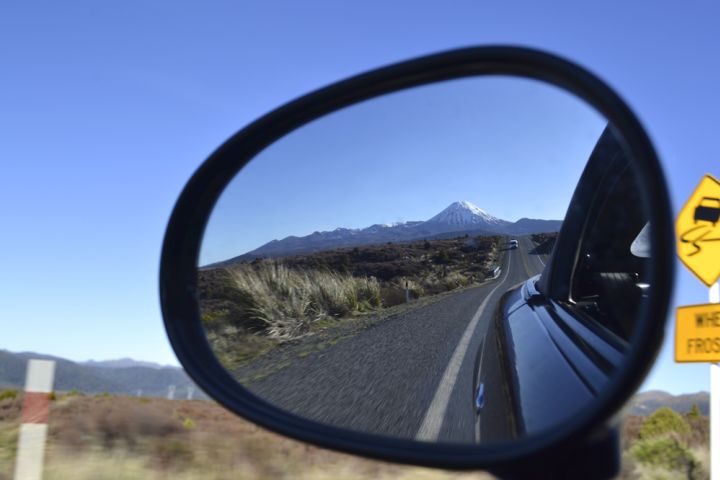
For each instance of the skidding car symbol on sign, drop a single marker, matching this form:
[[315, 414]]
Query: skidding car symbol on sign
[[698, 232], [708, 210]]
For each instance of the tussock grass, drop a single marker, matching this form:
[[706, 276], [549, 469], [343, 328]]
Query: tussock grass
[[250, 308], [286, 301], [9, 432]]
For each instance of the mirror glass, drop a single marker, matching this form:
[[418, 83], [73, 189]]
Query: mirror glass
[[395, 267]]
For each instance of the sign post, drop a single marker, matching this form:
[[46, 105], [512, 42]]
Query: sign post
[[714, 297], [697, 327]]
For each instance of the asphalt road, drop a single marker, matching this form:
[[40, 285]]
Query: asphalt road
[[410, 376], [495, 421]]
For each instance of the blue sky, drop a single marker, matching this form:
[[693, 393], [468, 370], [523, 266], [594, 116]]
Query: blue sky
[[106, 108], [514, 147]]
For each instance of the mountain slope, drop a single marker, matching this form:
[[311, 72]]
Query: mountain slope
[[528, 226], [148, 381], [646, 403], [121, 363], [463, 216], [458, 218]]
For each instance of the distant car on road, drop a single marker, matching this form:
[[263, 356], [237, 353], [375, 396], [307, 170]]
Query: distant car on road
[[513, 243]]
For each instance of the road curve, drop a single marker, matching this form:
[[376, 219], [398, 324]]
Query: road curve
[[409, 376]]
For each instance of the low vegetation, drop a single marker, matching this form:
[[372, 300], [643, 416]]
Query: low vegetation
[[251, 307], [116, 437], [545, 242], [666, 445], [10, 409]]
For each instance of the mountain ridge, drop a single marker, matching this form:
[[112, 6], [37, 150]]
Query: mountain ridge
[[645, 403], [122, 363], [155, 382], [134, 379], [460, 217]]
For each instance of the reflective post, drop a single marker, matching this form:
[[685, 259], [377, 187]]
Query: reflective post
[[33, 430]]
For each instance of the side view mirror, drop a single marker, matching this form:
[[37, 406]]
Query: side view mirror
[[460, 261]]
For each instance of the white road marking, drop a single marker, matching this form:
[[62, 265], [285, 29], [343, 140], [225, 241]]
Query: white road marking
[[539, 257], [541, 260], [477, 415], [432, 422]]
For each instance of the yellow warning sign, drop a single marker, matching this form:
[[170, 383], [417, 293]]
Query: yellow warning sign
[[698, 231], [697, 333]]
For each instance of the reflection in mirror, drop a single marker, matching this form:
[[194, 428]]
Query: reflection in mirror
[[390, 267]]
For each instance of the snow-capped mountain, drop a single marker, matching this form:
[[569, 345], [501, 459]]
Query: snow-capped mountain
[[463, 216], [457, 219]]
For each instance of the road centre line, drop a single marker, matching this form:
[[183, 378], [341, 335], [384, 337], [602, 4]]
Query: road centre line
[[432, 422], [538, 255], [541, 260]]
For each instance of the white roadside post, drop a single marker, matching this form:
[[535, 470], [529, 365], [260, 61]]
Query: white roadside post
[[33, 430], [714, 297]]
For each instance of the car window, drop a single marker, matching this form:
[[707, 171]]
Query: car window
[[612, 259]]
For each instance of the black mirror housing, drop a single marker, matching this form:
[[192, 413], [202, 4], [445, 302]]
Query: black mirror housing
[[579, 446]]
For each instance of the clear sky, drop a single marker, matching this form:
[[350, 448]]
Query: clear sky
[[514, 147], [106, 108]]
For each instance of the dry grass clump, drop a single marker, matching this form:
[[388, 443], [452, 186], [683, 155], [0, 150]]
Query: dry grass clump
[[192, 439], [450, 281], [10, 414], [111, 421], [288, 300], [10, 404]]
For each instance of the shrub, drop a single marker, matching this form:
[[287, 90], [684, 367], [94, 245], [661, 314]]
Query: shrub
[[392, 295], [694, 411], [699, 432], [119, 422], [666, 452], [441, 257], [455, 280], [664, 421], [10, 393], [10, 404], [631, 430], [172, 453]]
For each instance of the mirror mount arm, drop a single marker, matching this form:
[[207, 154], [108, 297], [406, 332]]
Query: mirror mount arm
[[597, 457]]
